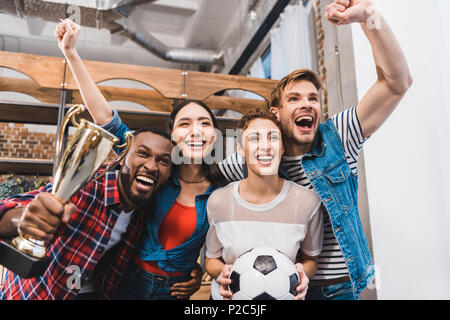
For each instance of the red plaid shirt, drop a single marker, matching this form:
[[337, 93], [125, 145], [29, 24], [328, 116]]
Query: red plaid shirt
[[79, 245]]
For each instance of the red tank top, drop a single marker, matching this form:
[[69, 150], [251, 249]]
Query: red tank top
[[175, 229]]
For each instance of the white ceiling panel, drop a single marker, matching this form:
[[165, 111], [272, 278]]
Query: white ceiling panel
[[196, 24]]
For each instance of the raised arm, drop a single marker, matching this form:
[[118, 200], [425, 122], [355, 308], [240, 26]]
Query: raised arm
[[67, 34], [394, 78]]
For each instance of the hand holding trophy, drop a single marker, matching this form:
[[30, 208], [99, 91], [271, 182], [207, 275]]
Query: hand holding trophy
[[85, 153]]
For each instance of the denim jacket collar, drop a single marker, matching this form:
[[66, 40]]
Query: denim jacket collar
[[317, 150], [318, 147]]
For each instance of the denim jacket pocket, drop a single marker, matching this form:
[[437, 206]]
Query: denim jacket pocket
[[340, 291], [337, 177]]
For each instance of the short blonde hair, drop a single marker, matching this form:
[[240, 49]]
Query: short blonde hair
[[299, 74]]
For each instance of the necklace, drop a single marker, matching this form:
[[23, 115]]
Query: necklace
[[198, 181]]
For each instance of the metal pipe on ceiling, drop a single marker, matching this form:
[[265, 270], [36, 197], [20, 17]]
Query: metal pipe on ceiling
[[144, 39], [112, 19], [180, 55]]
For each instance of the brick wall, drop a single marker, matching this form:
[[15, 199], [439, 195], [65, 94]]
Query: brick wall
[[16, 141], [321, 58]]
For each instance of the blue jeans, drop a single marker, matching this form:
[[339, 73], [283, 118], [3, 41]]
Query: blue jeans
[[339, 291], [138, 284]]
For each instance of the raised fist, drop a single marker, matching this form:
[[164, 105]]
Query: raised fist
[[349, 11], [67, 33]]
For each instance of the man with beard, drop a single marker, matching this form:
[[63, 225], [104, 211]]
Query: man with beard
[[323, 157], [92, 238]]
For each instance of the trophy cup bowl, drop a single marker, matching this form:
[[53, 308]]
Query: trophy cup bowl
[[85, 153]]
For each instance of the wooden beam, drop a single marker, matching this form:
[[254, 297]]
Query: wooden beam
[[29, 87], [150, 99], [236, 104], [153, 101], [48, 73], [168, 82], [201, 85]]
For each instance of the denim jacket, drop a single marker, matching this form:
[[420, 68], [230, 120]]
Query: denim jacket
[[337, 187], [182, 258]]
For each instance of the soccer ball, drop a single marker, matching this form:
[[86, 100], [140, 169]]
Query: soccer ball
[[263, 274]]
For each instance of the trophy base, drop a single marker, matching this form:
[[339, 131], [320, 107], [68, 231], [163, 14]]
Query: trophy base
[[21, 264]]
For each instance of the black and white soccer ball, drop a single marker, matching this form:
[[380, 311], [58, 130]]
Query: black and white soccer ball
[[263, 274]]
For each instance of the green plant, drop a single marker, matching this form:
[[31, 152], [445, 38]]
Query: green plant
[[16, 184]]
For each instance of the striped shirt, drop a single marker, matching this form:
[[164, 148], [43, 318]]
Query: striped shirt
[[331, 263]]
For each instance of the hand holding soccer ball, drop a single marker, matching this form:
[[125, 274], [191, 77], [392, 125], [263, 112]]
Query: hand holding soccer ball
[[224, 281], [263, 274]]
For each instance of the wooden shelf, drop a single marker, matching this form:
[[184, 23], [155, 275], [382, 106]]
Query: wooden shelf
[[40, 167], [47, 114]]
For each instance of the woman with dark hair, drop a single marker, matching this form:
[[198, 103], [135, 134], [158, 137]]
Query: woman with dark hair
[[180, 119], [176, 222], [165, 262]]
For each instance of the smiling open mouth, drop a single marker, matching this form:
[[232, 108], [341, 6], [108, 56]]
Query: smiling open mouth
[[265, 159], [196, 144], [305, 122], [145, 181]]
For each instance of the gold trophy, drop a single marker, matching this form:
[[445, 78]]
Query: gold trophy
[[85, 153]]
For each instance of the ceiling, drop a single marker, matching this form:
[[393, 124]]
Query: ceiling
[[199, 24]]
